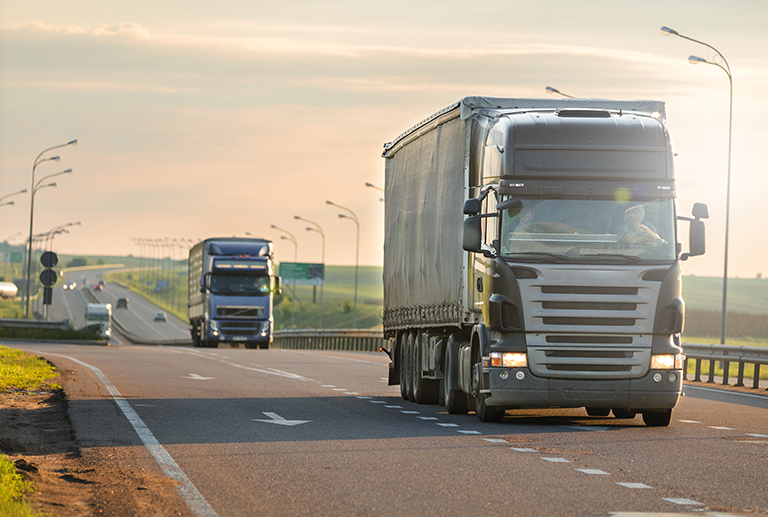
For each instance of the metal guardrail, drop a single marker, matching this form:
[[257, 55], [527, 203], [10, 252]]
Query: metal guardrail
[[360, 340], [727, 354], [35, 324]]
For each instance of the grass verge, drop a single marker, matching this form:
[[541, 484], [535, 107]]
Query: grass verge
[[13, 491], [20, 371]]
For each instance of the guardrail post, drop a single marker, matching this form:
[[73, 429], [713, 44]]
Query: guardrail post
[[711, 379], [697, 375], [726, 372], [685, 369], [740, 380], [756, 377]]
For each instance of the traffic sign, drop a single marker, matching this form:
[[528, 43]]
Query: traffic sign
[[49, 259], [48, 277], [302, 273]]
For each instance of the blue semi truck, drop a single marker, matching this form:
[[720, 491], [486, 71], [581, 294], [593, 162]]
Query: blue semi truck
[[231, 286]]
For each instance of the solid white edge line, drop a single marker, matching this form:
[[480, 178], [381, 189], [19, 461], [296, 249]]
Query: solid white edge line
[[726, 391], [188, 491]]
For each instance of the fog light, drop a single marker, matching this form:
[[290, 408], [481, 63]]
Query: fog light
[[672, 377], [504, 374], [657, 377], [520, 375]]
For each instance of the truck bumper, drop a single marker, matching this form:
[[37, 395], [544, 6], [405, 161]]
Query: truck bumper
[[517, 387]]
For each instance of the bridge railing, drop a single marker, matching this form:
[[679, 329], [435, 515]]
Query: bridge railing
[[726, 354], [361, 340]]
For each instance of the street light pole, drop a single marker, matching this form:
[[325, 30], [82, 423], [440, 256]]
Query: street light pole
[[727, 69], [291, 238], [38, 160], [9, 195], [318, 229], [352, 216]]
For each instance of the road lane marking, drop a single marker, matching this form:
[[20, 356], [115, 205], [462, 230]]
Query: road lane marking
[[587, 427], [188, 491], [495, 440], [594, 472], [197, 377], [468, 432], [681, 501], [392, 407], [274, 418], [448, 425], [726, 391], [757, 435], [427, 417], [556, 460], [637, 486], [689, 421], [719, 428], [410, 412]]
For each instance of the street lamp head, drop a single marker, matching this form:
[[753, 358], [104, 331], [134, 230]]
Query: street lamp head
[[73, 142], [23, 191], [54, 159], [68, 171], [9, 203], [694, 60], [669, 32], [272, 226], [549, 89], [296, 217]]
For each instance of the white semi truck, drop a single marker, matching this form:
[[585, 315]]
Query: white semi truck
[[531, 258], [98, 316]]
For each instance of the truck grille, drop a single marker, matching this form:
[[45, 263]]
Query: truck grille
[[587, 323], [239, 312], [239, 328]]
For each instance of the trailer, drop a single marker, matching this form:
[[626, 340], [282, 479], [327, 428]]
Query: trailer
[[531, 258]]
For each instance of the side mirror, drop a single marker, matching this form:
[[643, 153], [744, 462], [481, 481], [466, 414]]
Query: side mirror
[[473, 233], [278, 287], [472, 206], [700, 211], [202, 283]]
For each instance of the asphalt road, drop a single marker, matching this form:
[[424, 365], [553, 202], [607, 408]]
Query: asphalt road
[[139, 317], [281, 432]]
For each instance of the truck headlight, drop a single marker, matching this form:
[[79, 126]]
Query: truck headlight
[[667, 362], [509, 359], [265, 329], [214, 326]]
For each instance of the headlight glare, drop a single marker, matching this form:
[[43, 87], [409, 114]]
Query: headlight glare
[[509, 359], [667, 362]]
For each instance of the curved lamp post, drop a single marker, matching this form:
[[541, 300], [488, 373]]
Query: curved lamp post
[[292, 238], [353, 217], [694, 60], [35, 187], [318, 229], [549, 89], [9, 195], [38, 160], [371, 185]]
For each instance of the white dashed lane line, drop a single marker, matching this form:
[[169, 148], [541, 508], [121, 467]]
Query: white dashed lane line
[[594, 472], [636, 486]]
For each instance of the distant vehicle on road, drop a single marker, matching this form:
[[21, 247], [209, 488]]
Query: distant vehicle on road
[[8, 290], [160, 316], [99, 317], [122, 303], [98, 287], [71, 286]]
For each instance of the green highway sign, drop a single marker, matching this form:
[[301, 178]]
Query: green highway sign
[[300, 273]]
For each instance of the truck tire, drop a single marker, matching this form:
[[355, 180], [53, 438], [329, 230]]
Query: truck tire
[[455, 399], [403, 365], [657, 418], [484, 412], [424, 390]]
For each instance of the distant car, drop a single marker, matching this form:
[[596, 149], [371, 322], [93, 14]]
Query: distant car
[[98, 287], [72, 285], [65, 286], [160, 316], [122, 303]]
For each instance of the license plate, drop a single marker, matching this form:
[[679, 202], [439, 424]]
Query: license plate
[[239, 338]]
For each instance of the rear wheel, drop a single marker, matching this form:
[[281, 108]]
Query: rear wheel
[[404, 366], [598, 411], [425, 391], [657, 418]]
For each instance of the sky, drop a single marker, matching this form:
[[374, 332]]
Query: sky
[[200, 119]]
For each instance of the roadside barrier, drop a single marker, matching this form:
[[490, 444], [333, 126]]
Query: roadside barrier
[[360, 340], [35, 324], [727, 354]]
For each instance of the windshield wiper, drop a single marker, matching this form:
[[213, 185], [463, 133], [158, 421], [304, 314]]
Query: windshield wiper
[[543, 256]]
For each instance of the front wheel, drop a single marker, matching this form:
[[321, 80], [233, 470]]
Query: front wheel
[[657, 418], [483, 411]]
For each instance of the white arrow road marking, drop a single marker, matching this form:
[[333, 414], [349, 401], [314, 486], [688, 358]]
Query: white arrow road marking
[[277, 419], [197, 377]]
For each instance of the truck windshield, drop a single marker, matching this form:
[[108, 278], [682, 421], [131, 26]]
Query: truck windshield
[[594, 231], [98, 317], [242, 285]]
